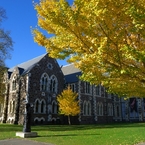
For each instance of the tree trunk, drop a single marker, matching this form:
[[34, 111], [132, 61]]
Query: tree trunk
[[69, 120]]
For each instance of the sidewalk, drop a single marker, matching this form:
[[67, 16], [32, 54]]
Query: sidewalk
[[17, 141]]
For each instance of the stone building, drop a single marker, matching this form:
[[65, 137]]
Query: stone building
[[37, 81], [41, 79]]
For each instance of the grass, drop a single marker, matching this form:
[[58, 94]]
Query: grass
[[112, 134]]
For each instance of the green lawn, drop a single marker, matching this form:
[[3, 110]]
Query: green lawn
[[114, 134]]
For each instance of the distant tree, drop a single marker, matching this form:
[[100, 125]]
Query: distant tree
[[2, 84], [104, 38], [5, 47], [68, 103]]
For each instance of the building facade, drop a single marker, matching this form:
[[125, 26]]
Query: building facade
[[40, 80]]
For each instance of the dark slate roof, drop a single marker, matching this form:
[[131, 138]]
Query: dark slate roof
[[26, 66], [71, 73]]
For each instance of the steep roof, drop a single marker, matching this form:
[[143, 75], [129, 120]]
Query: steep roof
[[71, 73], [28, 65]]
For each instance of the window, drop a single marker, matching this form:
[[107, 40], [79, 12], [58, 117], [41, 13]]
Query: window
[[14, 83], [40, 106], [117, 111], [87, 88], [36, 107], [87, 108], [53, 84], [54, 107], [110, 109], [98, 90], [14, 105], [44, 82], [72, 86], [43, 106], [50, 66], [100, 109]]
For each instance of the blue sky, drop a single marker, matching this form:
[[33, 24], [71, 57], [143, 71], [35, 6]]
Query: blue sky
[[20, 17]]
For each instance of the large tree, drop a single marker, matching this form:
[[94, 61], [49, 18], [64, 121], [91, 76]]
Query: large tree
[[5, 47], [104, 38], [68, 103]]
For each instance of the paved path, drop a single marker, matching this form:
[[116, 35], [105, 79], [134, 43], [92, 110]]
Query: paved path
[[21, 142]]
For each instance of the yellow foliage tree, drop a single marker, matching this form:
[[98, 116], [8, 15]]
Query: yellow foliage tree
[[104, 38], [68, 103]]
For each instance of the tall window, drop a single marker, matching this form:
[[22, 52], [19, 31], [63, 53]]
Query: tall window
[[36, 106], [44, 82], [14, 105], [87, 108], [54, 107], [117, 111], [87, 87], [53, 84], [72, 86], [40, 106], [43, 106], [14, 83], [110, 109], [100, 109], [98, 90]]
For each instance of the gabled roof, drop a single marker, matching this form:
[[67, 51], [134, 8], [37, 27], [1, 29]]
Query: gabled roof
[[27, 66], [71, 73], [70, 69]]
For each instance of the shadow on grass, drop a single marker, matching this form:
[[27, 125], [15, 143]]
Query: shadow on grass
[[61, 135], [10, 127], [86, 127]]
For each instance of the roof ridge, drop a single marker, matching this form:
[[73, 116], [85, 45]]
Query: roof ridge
[[30, 59]]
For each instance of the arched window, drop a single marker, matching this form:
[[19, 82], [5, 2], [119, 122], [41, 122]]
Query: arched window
[[97, 90], [36, 106], [54, 107], [101, 109], [117, 111], [14, 83], [89, 108], [85, 108], [44, 82], [111, 109], [53, 84], [87, 88], [10, 106], [13, 108], [98, 108], [43, 106]]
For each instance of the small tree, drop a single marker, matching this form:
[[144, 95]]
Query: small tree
[[68, 103]]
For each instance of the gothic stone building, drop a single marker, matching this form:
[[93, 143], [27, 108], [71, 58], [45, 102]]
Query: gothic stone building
[[41, 79]]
